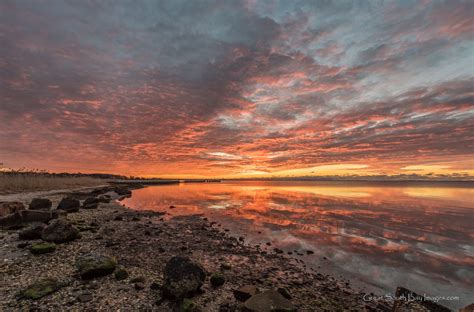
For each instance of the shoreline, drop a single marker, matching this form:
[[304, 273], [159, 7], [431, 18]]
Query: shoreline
[[142, 242]]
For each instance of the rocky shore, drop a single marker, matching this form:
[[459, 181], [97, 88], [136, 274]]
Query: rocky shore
[[94, 254]]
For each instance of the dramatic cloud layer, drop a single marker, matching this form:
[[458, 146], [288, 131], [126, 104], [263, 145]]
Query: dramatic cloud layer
[[240, 88]]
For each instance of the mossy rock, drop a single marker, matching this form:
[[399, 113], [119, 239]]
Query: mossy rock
[[92, 266], [121, 274], [42, 248], [217, 279], [41, 288], [187, 305]]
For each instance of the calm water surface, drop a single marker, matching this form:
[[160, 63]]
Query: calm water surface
[[417, 236]]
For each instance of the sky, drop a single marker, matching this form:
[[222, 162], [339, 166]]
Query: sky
[[237, 88]]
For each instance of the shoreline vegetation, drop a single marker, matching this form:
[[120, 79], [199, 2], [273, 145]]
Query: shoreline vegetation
[[83, 250]]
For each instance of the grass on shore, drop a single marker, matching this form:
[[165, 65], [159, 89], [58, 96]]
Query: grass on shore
[[33, 182]]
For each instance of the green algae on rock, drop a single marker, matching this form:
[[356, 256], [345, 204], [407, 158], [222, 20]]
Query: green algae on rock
[[42, 248], [41, 288], [94, 265]]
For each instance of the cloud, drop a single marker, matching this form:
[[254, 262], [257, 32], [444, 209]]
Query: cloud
[[225, 87]]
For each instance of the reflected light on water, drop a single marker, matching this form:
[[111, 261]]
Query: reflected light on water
[[420, 237]]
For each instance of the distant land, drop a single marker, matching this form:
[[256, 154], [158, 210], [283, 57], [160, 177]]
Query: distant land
[[455, 177]]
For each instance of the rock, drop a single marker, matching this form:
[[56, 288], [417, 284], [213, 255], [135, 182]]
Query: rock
[[122, 191], [139, 286], [183, 277], [59, 213], [94, 265], [60, 231], [268, 301], [155, 286], [414, 305], [28, 216], [22, 245], [225, 266], [469, 308], [121, 274], [41, 288], [90, 203], [11, 220], [217, 279], [84, 297], [187, 305], [309, 252], [245, 292], [32, 232], [138, 279], [42, 248], [103, 199], [40, 204], [284, 292], [7, 208], [69, 204]]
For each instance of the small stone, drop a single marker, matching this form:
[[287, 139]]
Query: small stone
[[309, 252], [40, 204], [155, 286], [118, 218], [225, 266], [122, 191], [268, 301], [84, 297], [7, 208], [284, 292], [121, 274], [69, 204], [245, 292], [278, 251], [104, 199], [139, 286], [138, 279], [90, 203], [42, 248], [22, 245], [187, 305], [217, 279]]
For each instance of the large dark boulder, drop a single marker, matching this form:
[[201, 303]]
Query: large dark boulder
[[69, 204], [91, 203], [268, 301], [183, 278], [7, 208], [60, 231], [33, 231], [40, 204], [95, 265]]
